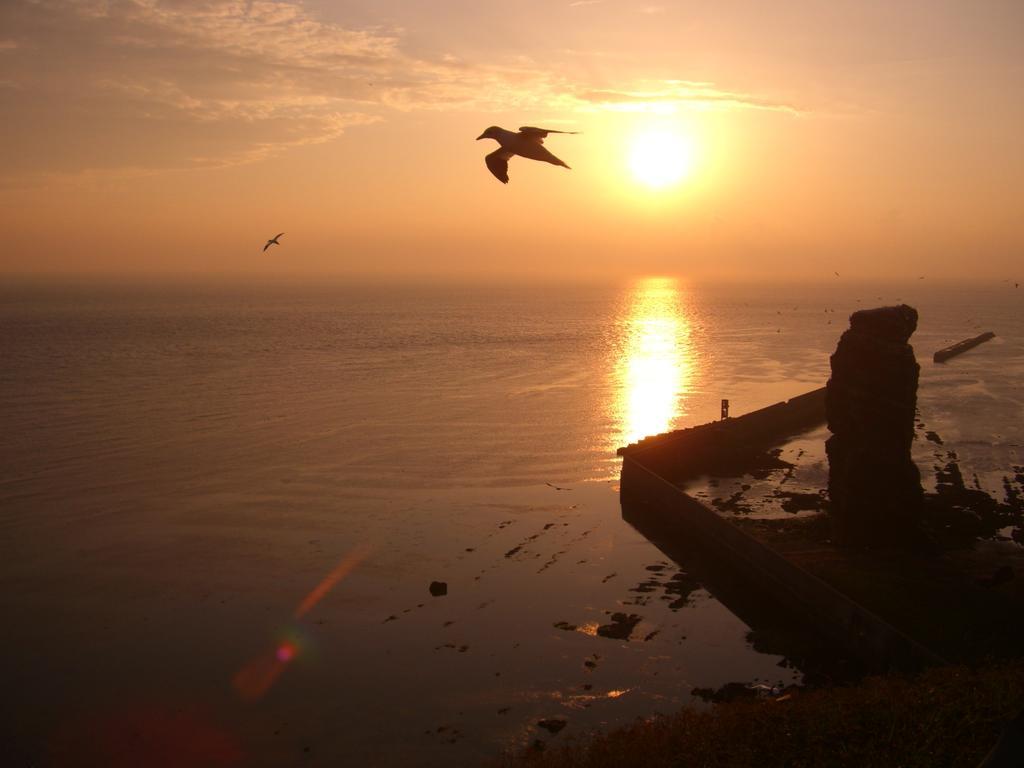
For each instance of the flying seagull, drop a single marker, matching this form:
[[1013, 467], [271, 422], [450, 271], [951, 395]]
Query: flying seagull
[[529, 142], [558, 487], [273, 241]]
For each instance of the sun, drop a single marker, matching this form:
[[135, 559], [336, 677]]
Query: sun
[[660, 158]]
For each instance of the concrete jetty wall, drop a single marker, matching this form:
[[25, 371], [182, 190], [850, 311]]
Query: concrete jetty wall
[[850, 626], [717, 446], [651, 470], [960, 347]]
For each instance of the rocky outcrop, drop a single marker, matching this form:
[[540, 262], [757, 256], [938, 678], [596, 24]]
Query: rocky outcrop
[[870, 401]]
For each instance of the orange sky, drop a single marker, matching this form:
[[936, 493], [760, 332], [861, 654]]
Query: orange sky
[[878, 139]]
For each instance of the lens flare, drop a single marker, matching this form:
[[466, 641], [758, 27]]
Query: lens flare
[[341, 570], [255, 679]]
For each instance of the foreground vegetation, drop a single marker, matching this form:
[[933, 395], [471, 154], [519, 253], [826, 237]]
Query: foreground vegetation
[[948, 716]]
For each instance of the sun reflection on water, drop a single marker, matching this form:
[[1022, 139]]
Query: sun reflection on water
[[654, 366]]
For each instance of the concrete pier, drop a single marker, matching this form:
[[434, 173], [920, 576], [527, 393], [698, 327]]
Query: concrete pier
[[961, 346], [886, 606], [730, 444], [848, 626]]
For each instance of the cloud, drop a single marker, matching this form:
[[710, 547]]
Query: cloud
[[669, 95], [102, 84], [645, 9], [94, 86]]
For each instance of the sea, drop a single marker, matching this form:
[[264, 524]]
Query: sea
[[379, 524]]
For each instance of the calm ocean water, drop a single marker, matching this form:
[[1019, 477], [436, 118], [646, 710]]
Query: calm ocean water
[[182, 466]]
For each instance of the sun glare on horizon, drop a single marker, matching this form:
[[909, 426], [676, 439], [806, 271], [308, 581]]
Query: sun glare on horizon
[[660, 158]]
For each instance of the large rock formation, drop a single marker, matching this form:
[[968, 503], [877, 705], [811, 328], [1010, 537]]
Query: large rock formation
[[871, 400]]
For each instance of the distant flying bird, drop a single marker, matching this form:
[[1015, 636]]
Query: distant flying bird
[[273, 241], [529, 143], [558, 488]]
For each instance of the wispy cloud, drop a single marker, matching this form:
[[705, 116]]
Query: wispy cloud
[[100, 85], [186, 83], [141, 83], [669, 95], [648, 9]]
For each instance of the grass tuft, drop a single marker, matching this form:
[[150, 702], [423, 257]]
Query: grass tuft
[[949, 716]]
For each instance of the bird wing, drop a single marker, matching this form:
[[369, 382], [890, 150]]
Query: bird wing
[[497, 163], [538, 134], [269, 243], [278, 235]]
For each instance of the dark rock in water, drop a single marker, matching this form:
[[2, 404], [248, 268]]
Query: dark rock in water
[[871, 399], [551, 725], [728, 692], [438, 588], [733, 504], [957, 515], [621, 626], [679, 589], [800, 502], [646, 586], [1001, 575]]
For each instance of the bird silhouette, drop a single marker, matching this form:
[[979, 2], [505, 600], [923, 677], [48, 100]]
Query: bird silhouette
[[273, 241], [557, 487], [529, 143]]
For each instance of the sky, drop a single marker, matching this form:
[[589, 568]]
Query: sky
[[735, 140]]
